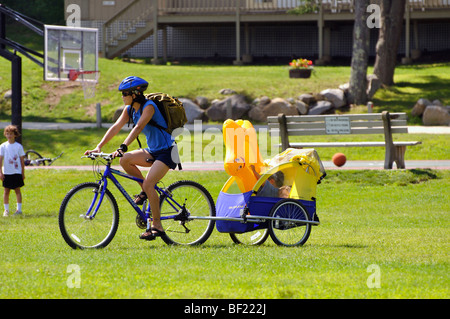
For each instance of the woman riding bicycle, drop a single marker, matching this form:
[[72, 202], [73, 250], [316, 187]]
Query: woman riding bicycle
[[158, 154]]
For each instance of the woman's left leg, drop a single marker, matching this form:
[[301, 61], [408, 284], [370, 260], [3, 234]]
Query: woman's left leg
[[156, 173]]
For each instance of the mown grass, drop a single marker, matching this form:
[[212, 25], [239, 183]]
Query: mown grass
[[395, 220], [412, 82]]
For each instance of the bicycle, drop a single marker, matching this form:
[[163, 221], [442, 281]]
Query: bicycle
[[89, 214], [33, 158]]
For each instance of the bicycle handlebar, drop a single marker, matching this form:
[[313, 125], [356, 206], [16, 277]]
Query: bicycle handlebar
[[94, 155]]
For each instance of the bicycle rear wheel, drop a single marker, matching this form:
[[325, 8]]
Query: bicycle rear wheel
[[77, 229], [31, 158], [289, 233], [199, 203]]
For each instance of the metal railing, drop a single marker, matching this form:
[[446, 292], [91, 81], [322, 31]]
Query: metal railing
[[120, 26]]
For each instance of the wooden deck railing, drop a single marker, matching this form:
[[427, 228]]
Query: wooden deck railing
[[230, 6]]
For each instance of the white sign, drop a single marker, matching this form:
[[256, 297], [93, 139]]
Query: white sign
[[337, 125]]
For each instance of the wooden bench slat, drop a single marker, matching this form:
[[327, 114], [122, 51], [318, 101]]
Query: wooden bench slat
[[349, 144], [352, 117], [322, 131]]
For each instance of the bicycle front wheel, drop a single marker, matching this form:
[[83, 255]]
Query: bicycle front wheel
[[78, 229], [199, 203]]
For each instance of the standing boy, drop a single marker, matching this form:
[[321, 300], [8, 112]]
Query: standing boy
[[13, 172]]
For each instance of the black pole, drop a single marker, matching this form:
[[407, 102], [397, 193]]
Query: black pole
[[16, 84], [16, 88], [2, 30], [16, 61]]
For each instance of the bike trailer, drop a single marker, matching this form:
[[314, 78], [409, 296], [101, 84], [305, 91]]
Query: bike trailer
[[239, 205], [293, 174]]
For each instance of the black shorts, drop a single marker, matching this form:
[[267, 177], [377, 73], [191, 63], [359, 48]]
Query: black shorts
[[166, 157], [13, 181]]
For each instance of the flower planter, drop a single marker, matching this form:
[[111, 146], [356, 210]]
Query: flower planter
[[300, 73]]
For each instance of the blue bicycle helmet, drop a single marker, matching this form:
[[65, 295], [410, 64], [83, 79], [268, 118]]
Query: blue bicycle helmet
[[133, 83]]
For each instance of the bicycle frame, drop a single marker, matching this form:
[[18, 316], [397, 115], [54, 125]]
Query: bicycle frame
[[145, 212]]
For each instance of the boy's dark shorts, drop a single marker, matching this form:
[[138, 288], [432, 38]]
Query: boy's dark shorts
[[164, 156], [13, 181]]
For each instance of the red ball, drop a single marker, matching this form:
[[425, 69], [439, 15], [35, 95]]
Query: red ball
[[339, 159]]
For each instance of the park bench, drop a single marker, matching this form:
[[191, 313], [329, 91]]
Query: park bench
[[372, 123]]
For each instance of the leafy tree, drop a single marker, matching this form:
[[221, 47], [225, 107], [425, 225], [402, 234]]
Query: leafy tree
[[45, 11]]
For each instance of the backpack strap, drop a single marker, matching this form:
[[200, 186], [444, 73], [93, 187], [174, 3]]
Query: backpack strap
[[130, 119]]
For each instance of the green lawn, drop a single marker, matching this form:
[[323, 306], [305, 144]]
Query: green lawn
[[412, 82], [386, 227]]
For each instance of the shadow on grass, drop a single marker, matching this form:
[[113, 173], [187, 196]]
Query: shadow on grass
[[402, 96]]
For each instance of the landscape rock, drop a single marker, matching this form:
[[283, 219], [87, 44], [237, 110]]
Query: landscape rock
[[345, 87], [276, 106], [202, 102], [307, 98], [302, 107], [227, 92], [117, 114], [435, 115], [420, 107], [335, 96], [7, 95], [193, 111], [437, 102], [233, 107], [264, 100], [321, 107]]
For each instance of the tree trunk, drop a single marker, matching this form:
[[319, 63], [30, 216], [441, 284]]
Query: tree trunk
[[392, 12], [360, 54]]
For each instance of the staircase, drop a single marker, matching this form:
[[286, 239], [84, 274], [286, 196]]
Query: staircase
[[120, 33]]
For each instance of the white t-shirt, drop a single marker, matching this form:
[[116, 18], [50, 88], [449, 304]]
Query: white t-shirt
[[11, 158]]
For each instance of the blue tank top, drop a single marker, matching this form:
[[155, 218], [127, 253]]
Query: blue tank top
[[157, 139]]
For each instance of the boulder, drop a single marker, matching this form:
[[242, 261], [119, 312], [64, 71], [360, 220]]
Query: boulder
[[202, 102], [193, 111], [257, 114], [117, 114], [7, 95], [307, 98], [435, 115], [233, 107], [335, 96], [437, 102], [227, 92], [302, 107], [419, 107], [321, 107], [264, 100], [276, 106]]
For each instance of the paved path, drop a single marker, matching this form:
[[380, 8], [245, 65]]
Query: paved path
[[217, 166], [71, 126]]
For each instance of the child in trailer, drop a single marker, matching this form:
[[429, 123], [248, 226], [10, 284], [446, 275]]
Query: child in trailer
[[12, 171], [273, 188]]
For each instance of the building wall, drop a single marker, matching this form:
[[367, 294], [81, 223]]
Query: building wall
[[206, 41]]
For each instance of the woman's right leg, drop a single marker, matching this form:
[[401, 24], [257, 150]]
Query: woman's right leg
[[131, 160]]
